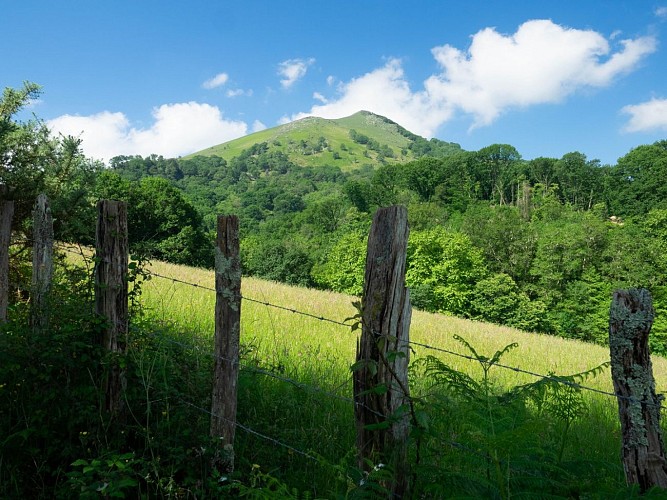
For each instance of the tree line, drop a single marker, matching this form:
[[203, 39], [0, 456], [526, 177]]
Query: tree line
[[537, 244]]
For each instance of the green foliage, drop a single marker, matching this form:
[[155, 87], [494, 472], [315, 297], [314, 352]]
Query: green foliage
[[443, 268], [107, 476], [34, 162], [161, 222], [343, 270], [637, 179], [275, 260], [503, 443], [498, 299]]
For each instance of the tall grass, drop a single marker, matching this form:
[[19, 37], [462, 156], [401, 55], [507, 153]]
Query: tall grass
[[318, 354], [295, 385], [274, 332]]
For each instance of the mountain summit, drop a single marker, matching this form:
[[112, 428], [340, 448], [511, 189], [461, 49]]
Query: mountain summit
[[363, 138]]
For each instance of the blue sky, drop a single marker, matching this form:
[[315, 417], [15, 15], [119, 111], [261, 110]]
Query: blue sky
[[171, 78]]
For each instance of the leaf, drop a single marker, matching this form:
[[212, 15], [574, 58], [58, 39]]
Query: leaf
[[379, 426], [392, 355], [359, 365]]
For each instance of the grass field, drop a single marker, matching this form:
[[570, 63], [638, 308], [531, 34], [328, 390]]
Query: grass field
[[273, 330], [319, 353], [300, 399]]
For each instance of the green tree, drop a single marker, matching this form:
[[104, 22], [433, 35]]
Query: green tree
[[495, 169], [498, 299], [32, 161], [442, 270], [638, 180], [276, 260], [423, 176], [344, 267], [507, 240], [162, 223]]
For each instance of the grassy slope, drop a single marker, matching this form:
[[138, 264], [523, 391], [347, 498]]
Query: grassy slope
[[275, 332], [286, 138], [319, 353]]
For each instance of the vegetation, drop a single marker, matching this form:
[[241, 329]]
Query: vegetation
[[538, 245], [489, 431]]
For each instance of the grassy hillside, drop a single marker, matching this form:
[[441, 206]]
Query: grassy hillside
[[269, 328], [307, 355], [296, 432], [316, 141]]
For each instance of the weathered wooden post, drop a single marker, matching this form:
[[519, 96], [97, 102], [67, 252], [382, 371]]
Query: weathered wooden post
[[111, 267], [643, 455], [6, 214], [227, 338], [380, 377], [42, 264]]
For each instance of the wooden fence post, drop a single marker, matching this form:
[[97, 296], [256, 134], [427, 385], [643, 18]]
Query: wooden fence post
[[6, 214], [227, 338], [643, 455], [380, 374], [111, 268], [42, 264]]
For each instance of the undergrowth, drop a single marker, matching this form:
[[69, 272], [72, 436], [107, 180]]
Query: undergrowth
[[474, 439]]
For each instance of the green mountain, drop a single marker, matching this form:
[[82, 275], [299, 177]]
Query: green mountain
[[361, 139]]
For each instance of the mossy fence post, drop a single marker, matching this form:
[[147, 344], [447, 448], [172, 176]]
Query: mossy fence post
[[227, 338], [6, 215], [630, 320], [380, 375], [111, 294], [42, 264]]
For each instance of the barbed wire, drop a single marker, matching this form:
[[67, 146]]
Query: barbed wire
[[250, 430], [268, 373], [243, 297], [553, 378], [262, 302]]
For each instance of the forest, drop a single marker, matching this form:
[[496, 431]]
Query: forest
[[535, 244]]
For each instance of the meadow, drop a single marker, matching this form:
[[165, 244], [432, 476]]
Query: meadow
[[297, 391]]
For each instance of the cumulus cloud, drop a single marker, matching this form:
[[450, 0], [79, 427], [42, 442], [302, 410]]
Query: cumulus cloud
[[178, 129], [217, 81], [238, 93], [257, 126], [386, 92], [319, 97], [542, 62], [647, 116], [293, 70]]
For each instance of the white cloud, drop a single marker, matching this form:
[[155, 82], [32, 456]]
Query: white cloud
[[239, 93], [293, 70], [661, 12], [386, 92], [319, 97], [258, 126], [647, 116], [178, 129], [217, 81], [331, 80], [541, 63]]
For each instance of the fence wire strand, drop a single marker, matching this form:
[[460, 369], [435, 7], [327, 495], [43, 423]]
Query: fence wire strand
[[553, 378], [250, 430]]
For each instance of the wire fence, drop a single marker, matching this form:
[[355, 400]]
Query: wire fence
[[564, 380]]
